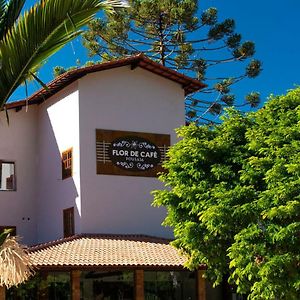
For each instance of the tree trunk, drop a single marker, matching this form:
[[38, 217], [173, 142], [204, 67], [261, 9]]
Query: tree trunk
[[161, 39]]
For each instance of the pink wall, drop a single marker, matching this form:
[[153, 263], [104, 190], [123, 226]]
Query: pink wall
[[117, 99], [19, 144], [58, 131]]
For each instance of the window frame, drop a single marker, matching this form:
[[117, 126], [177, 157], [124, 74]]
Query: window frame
[[14, 175], [66, 172]]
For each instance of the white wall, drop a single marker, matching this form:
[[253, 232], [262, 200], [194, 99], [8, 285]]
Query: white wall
[[122, 99], [58, 130], [18, 144], [117, 99]]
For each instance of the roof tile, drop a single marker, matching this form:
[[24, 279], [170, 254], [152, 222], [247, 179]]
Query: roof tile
[[107, 251]]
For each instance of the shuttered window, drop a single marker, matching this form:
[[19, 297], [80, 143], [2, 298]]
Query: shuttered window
[[69, 224], [67, 163]]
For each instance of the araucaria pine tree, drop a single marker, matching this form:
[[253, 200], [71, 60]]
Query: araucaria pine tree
[[179, 36]]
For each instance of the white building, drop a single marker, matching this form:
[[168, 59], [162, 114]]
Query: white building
[[81, 158]]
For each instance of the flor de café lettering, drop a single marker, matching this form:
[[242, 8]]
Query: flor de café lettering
[[130, 153], [134, 153]]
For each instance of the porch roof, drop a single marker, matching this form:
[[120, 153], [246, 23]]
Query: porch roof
[[107, 251]]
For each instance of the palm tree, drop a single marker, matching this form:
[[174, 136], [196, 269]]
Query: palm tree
[[15, 264], [27, 40]]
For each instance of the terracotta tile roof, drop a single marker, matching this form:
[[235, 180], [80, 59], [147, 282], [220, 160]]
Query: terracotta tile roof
[[189, 85], [107, 251]]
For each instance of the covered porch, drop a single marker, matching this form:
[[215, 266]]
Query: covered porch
[[110, 267]]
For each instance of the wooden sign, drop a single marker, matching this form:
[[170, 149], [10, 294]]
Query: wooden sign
[[130, 153]]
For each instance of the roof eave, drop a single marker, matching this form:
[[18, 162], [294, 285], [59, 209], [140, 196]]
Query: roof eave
[[189, 85]]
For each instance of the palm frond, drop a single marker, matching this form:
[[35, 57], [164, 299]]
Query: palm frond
[[4, 235], [9, 14], [15, 263], [39, 33], [116, 3], [3, 7]]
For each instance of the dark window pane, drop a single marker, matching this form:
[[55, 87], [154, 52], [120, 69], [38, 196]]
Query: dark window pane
[[170, 285], [7, 176], [51, 286], [59, 286], [107, 285]]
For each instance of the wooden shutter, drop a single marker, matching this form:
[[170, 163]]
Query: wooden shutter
[[67, 163], [68, 220]]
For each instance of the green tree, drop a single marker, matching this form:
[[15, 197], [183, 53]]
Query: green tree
[[234, 199], [176, 34], [27, 40]]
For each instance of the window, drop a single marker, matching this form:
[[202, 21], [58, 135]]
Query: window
[[7, 176], [13, 229], [46, 285], [177, 285], [66, 163], [69, 229], [108, 285]]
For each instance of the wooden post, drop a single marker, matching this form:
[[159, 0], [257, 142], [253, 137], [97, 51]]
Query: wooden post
[[201, 285], [2, 292], [75, 284], [139, 285]]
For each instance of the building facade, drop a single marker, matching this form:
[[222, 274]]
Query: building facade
[[78, 164]]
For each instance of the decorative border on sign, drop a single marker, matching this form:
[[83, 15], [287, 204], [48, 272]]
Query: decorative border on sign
[[130, 153]]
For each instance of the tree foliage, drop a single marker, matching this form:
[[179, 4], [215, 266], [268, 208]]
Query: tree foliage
[[234, 198], [176, 34], [27, 40]]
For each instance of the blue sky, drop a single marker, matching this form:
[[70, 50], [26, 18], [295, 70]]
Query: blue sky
[[272, 25]]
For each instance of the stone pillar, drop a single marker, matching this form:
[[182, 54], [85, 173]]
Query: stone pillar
[[201, 285], [139, 285], [2, 293], [75, 285]]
